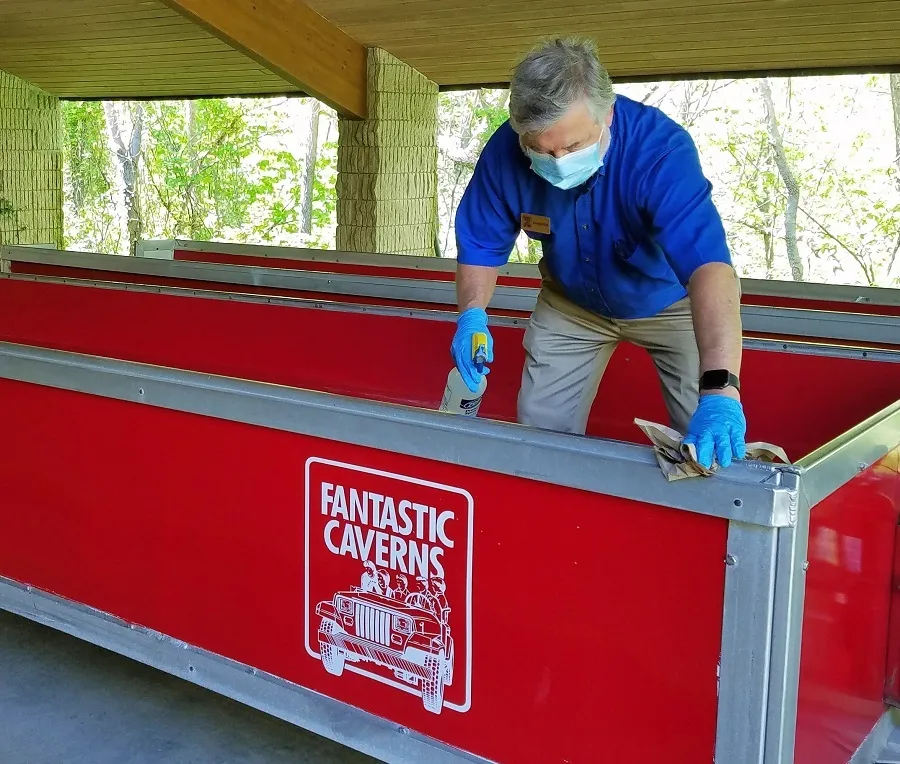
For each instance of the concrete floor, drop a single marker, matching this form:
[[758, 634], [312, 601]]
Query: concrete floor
[[64, 701]]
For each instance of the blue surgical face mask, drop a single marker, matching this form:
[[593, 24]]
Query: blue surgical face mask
[[569, 170]]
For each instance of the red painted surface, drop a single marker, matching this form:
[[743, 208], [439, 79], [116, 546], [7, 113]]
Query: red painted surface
[[273, 343], [195, 527], [846, 614], [56, 271], [892, 671]]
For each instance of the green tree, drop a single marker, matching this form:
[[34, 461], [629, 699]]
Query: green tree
[[89, 203]]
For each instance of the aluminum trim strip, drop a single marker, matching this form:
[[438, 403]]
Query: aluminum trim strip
[[749, 491], [265, 692], [811, 290], [787, 634], [876, 355], [413, 262], [872, 747], [828, 468], [746, 644], [853, 327], [830, 325], [425, 314], [388, 288], [804, 290]]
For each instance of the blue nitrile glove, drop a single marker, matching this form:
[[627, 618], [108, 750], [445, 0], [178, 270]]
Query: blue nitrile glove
[[718, 426], [469, 322]]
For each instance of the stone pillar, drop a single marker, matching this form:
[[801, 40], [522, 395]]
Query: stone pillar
[[31, 178], [387, 164]]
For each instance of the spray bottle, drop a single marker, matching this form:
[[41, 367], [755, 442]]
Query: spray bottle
[[458, 398]]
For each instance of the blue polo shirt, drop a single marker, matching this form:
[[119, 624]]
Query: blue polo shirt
[[626, 242]]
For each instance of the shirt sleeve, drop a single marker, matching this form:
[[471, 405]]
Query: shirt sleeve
[[677, 199], [486, 226]]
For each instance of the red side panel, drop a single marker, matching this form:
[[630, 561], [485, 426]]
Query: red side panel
[[280, 344], [892, 673], [846, 614], [58, 271], [87, 274], [575, 619]]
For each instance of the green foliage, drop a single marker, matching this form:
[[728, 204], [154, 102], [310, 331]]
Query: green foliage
[[324, 196], [89, 211], [490, 115], [233, 169], [196, 166], [86, 154]]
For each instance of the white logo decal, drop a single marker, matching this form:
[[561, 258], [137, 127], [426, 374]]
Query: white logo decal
[[389, 580]]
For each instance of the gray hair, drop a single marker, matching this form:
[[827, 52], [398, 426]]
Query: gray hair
[[554, 76]]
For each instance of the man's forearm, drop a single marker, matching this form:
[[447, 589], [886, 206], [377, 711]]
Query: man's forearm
[[475, 286], [716, 310]]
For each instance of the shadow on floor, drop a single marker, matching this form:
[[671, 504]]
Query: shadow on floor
[[64, 701]]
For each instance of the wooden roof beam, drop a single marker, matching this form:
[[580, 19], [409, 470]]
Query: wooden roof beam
[[290, 39]]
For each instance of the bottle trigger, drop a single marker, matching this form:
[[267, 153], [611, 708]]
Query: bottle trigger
[[479, 351]]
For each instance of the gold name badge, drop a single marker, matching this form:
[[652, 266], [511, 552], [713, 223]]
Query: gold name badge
[[535, 223]]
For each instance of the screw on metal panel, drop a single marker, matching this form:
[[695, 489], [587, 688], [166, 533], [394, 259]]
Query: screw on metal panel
[[730, 559], [403, 730], [863, 466], [806, 565]]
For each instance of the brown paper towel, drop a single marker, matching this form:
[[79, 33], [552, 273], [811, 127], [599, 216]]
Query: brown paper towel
[[678, 461]]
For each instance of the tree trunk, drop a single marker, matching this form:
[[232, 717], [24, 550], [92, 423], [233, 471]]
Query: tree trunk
[[309, 169], [192, 202], [127, 155], [895, 104], [792, 187], [893, 270]]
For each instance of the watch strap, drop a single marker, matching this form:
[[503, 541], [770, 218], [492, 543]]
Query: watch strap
[[719, 379]]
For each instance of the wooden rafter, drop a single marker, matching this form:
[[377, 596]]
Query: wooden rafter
[[292, 40]]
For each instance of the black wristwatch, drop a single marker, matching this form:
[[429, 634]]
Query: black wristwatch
[[718, 379]]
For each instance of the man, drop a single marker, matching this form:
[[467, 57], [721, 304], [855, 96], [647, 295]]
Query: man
[[633, 249]]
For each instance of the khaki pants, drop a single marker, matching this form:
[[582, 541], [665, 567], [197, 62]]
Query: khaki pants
[[567, 350]]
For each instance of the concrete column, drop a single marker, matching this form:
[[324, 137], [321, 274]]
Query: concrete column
[[31, 177], [387, 164]]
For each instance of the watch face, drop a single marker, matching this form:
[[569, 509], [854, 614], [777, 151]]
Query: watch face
[[715, 379]]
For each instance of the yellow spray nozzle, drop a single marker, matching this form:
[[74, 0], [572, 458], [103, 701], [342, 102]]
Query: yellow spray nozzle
[[479, 349]]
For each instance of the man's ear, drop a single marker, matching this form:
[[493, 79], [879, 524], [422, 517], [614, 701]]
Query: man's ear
[[609, 116]]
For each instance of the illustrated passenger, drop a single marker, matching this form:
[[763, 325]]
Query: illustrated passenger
[[402, 587], [439, 595], [633, 250], [369, 582], [421, 598], [384, 583]]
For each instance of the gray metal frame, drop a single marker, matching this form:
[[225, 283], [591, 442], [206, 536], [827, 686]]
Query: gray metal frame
[[165, 248], [767, 508], [821, 325], [748, 492], [270, 694], [757, 499]]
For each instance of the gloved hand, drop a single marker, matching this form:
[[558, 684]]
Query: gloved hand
[[469, 322], [719, 426]]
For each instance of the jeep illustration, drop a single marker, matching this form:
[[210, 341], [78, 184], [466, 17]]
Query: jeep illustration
[[405, 632]]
